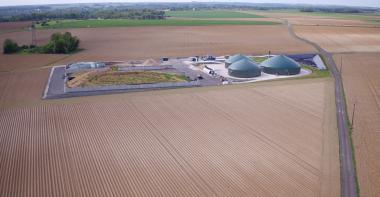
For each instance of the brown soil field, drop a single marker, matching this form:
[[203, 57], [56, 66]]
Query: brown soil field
[[361, 80], [155, 42], [273, 139], [26, 62], [310, 19], [342, 39], [22, 88], [326, 21], [14, 26]]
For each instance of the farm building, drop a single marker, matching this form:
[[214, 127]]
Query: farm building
[[234, 59], [280, 65], [244, 68]]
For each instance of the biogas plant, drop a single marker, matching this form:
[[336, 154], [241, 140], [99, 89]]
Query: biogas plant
[[243, 68]]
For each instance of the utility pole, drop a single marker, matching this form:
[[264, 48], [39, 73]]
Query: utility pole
[[353, 116], [341, 65], [33, 29]]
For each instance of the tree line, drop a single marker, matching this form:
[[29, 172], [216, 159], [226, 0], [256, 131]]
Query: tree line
[[81, 13], [59, 44]]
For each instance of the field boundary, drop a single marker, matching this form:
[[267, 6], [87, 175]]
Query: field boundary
[[48, 82], [349, 186]]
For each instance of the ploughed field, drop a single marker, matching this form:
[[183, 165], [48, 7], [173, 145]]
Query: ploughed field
[[276, 138], [361, 80], [211, 14], [95, 23], [342, 39], [155, 42]]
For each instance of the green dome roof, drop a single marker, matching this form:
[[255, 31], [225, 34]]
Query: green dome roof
[[236, 58], [244, 68], [280, 62], [244, 65]]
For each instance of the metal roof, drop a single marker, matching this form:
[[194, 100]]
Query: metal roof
[[281, 62], [236, 58]]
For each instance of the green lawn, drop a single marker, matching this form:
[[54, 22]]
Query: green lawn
[[316, 73], [132, 78], [138, 23], [211, 14]]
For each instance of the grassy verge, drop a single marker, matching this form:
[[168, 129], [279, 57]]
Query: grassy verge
[[350, 132], [350, 127], [211, 14], [315, 72], [140, 23]]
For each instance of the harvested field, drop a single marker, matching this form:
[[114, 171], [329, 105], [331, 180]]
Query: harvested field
[[27, 62], [361, 80], [22, 88], [275, 139], [342, 39], [326, 21], [144, 23], [340, 18], [156, 42], [211, 14], [14, 26]]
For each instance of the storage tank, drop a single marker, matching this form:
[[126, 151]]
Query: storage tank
[[244, 68]]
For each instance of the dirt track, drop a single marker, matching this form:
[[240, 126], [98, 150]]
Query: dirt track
[[175, 142], [362, 86]]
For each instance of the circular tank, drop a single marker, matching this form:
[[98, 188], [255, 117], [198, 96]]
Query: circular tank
[[244, 69], [280, 65]]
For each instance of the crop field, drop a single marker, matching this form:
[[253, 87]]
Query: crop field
[[320, 19], [342, 39], [275, 138], [361, 80], [211, 14], [156, 42], [138, 23]]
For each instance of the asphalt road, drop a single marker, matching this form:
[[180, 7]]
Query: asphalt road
[[347, 169]]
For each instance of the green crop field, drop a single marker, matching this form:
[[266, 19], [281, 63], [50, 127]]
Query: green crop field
[[139, 23], [211, 14]]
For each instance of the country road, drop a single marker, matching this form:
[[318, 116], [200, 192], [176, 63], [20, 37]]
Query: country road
[[347, 168]]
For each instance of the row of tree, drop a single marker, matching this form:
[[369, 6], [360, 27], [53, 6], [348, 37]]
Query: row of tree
[[87, 14], [59, 43], [331, 10]]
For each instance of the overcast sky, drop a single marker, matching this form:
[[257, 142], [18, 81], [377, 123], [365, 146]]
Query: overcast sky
[[372, 3]]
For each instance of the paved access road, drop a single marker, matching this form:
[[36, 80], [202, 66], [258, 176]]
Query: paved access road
[[347, 171]]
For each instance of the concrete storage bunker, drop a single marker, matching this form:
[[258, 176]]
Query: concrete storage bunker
[[244, 68], [280, 65], [234, 59], [78, 66]]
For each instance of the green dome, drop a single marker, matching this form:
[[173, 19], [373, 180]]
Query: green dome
[[280, 65], [235, 58], [244, 68]]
